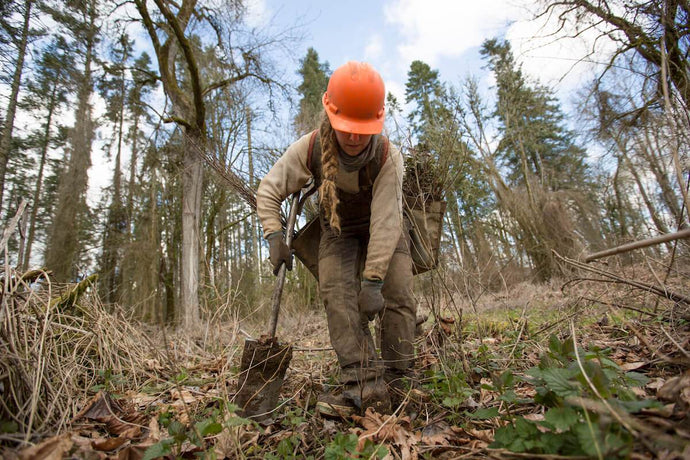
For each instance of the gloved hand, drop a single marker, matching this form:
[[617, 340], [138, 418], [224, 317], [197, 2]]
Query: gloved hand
[[370, 298], [278, 252]]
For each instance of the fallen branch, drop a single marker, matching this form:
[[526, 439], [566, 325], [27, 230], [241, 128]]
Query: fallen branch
[[13, 224], [639, 244], [658, 290]]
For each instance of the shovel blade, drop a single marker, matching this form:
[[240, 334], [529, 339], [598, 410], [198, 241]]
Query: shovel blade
[[262, 372]]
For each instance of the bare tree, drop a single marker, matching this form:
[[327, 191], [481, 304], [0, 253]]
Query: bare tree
[[657, 31], [171, 28]]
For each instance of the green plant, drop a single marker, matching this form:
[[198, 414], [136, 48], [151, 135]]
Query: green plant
[[195, 434], [564, 374], [449, 388], [345, 446], [108, 381]]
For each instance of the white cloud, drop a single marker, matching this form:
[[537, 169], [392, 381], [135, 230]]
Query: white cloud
[[257, 13], [374, 48], [558, 58], [432, 29]]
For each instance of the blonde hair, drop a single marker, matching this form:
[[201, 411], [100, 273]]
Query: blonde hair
[[328, 198]]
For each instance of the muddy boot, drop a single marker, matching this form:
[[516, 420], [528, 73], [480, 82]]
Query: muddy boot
[[335, 404], [370, 393]]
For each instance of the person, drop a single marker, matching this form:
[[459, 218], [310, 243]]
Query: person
[[364, 263]]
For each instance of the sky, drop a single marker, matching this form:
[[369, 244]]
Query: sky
[[446, 34]]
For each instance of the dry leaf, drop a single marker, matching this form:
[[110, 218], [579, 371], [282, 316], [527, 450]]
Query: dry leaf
[[54, 448], [117, 415], [106, 444], [185, 396], [134, 452], [387, 428], [671, 390], [633, 366], [154, 430]]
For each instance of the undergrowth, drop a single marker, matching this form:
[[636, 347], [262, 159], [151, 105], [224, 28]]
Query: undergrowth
[[548, 376]]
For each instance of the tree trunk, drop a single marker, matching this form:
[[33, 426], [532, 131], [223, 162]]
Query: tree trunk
[[113, 238], [39, 181], [192, 179], [256, 261], [63, 248], [668, 195], [658, 221], [6, 139]]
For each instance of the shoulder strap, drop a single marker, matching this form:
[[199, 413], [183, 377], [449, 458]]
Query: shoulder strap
[[384, 156], [310, 152]]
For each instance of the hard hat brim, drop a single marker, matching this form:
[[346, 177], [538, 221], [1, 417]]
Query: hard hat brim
[[341, 123]]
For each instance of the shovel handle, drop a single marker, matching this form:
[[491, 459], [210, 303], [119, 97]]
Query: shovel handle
[[280, 278]]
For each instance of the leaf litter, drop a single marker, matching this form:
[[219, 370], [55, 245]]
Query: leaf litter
[[485, 369]]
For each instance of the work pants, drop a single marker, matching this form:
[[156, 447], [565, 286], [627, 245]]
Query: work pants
[[341, 262]]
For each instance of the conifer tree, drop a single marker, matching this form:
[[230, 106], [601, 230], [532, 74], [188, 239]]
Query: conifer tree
[[66, 243], [114, 89], [315, 75], [46, 96], [534, 141], [20, 40]]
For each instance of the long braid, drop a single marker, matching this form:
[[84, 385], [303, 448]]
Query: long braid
[[328, 198]]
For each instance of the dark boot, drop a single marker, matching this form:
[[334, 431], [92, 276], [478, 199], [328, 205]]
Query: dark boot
[[335, 404], [355, 398], [370, 393]]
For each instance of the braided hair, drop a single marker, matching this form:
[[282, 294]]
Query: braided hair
[[328, 198]]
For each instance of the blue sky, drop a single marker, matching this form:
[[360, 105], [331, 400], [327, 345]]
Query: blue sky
[[446, 34]]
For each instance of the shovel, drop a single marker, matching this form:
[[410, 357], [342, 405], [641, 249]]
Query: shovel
[[264, 361]]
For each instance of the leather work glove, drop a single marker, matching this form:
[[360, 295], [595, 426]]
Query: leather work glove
[[370, 298], [278, 252]]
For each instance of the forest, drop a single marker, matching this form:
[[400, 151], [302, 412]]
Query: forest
[[124, 310]]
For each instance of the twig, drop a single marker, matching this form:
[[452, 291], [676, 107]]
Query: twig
[[639, 244], [682, 350], [661, 291], [12, 225]]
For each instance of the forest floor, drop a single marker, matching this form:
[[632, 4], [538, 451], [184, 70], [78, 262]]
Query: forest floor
[[588, 367]]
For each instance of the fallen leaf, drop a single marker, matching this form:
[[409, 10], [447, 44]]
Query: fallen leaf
[[106, 444], [185, 396], [672, 389], [54, 448], [154, 430], [656, 383], [117, 415], [134, 452], [381, 428], [633, 366]]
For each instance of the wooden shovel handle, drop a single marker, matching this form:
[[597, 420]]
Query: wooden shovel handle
[[280, 278]]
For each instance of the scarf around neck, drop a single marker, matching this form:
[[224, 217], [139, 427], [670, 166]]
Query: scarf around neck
[[350, 164]]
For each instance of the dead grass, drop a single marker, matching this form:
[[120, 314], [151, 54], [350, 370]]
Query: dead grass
[[54, 357], [52, 353]]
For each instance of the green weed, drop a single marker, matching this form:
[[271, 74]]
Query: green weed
[[568, 429]]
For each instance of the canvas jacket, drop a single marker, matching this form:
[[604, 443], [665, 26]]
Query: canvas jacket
[[290, 173]]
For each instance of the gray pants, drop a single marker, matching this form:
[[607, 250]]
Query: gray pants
[[341, 261]]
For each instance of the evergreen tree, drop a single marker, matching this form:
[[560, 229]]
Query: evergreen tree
[[315, 77], [66, 244], [435, 122], [534, 141], [426, 91], [47, 94], [114, 89], [20, 40]]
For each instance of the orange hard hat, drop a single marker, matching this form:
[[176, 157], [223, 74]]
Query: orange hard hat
[[354, 99]]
